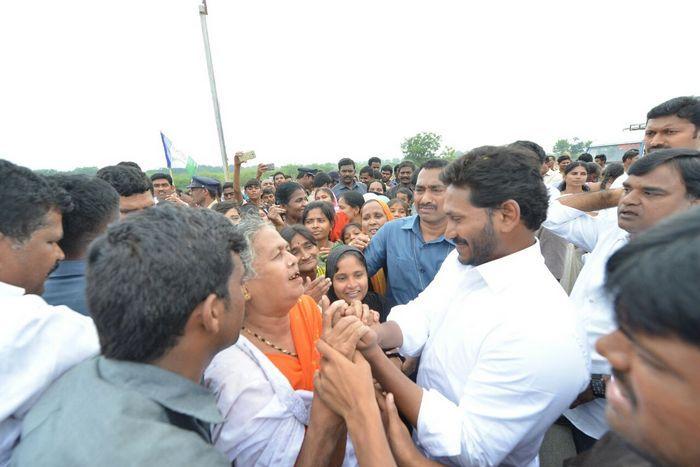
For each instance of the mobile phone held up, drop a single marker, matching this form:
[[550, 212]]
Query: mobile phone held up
[[246, 156], [270, 166]]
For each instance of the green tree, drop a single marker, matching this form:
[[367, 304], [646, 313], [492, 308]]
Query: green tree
[[574, 147], [421, 147]]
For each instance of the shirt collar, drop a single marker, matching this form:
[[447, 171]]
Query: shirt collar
[[165, 387], [70, 268], [500, 273], [413, 223], [7, 290]]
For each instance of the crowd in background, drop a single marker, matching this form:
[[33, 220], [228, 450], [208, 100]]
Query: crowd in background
[[452, 313]]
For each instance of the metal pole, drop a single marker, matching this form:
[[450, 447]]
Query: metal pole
[[203, 12]]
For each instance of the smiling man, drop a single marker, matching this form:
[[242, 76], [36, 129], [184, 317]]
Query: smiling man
[[665, 182], [411, 249], [502, 354]]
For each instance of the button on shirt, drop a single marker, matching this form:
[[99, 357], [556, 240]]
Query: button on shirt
[[66, 286], [341, 188], [38, 343], [109, 412], [602, 237], [409, 262], [502, 356]]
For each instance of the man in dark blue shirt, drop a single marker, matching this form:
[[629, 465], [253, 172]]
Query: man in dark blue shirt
[[346, 167], [411, 250], [96, 205]]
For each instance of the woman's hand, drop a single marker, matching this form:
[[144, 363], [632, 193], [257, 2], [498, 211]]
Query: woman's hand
[[275, 215], [317, 288], [341, 332]]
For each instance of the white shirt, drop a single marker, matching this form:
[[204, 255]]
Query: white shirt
[[265, 418], [602, 237], [38, 343], [552, 178], [502, 356], [619, 181]]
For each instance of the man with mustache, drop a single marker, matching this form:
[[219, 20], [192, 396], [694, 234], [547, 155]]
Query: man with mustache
[[38, 342], [654, 396], [404, 178], [411, 249], [662, 183], [502, 353], [346, 168]]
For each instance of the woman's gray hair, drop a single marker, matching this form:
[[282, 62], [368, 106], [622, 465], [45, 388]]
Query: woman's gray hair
[[249, 227]]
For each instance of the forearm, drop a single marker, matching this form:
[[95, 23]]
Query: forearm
[[596, 201], [407, 395], [237, 184], [324, 441], [368, 436], [389, 335]]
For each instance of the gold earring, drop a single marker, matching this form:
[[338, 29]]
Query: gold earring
[[246, 294]]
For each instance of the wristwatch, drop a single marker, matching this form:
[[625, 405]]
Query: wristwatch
[[598, 386]]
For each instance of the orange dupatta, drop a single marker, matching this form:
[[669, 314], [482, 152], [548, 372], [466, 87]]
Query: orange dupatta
[[378, 281], [306, 323]]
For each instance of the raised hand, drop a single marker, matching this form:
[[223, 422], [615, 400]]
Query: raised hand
[[317, 288]]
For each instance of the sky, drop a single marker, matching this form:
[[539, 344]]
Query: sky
[[91, 83]]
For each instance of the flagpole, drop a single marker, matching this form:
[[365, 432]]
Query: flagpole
[[203, 12]]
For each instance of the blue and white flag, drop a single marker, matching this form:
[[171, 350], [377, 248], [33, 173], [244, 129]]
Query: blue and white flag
[[172, 154]]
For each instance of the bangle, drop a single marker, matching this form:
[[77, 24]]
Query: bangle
[[391, 354]]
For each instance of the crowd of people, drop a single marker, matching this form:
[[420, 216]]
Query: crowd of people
[[450, 313]]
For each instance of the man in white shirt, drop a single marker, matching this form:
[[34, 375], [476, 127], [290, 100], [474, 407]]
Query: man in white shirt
[[502, 354], [660, 184], [628, 158], [38, 342]]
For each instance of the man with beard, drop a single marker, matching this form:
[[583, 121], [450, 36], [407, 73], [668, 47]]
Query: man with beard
[[346, 167], [410, 250], [38, 342], [502, 354], [664, 182], [654, 397], [404, 177]]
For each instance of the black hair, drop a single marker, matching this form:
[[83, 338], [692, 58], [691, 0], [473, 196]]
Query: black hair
[[278, 173], [25, 200], [140, 314], [322, 179], [352, 198], [406, 192], [253, 182], [334, 258], [226, 185], [569, 168], [367, 169], [161, 175], [434, 164], [407, 163], [593, 167], [562, 158], [396, 169], [685, 161], [95, 204], [495, 174], [126, 179], [290, 231], [346, 161], [346, 228], [669, 308], [602, 157], [223, 207], [374, 159], [130, 164], [387, 168], [611, 172], [630, 154], [285, 191], [534, 147], [326, 209], [405, 206], [686, 107], [376, 180], [585, 157]]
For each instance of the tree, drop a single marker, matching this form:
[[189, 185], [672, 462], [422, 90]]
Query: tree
[[449, 153], [574, 147], [421, 147]]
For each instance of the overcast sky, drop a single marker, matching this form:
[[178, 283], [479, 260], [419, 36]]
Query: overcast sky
[[90, 83]]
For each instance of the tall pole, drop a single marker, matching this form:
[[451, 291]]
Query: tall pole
[[203, 12]]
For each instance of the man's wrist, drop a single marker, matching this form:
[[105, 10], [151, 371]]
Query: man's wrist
[[373, 353]]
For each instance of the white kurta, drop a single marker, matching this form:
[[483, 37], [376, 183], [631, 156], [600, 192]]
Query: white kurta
[[602, 237], [502, 356], [265, 418], [38, 343]]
